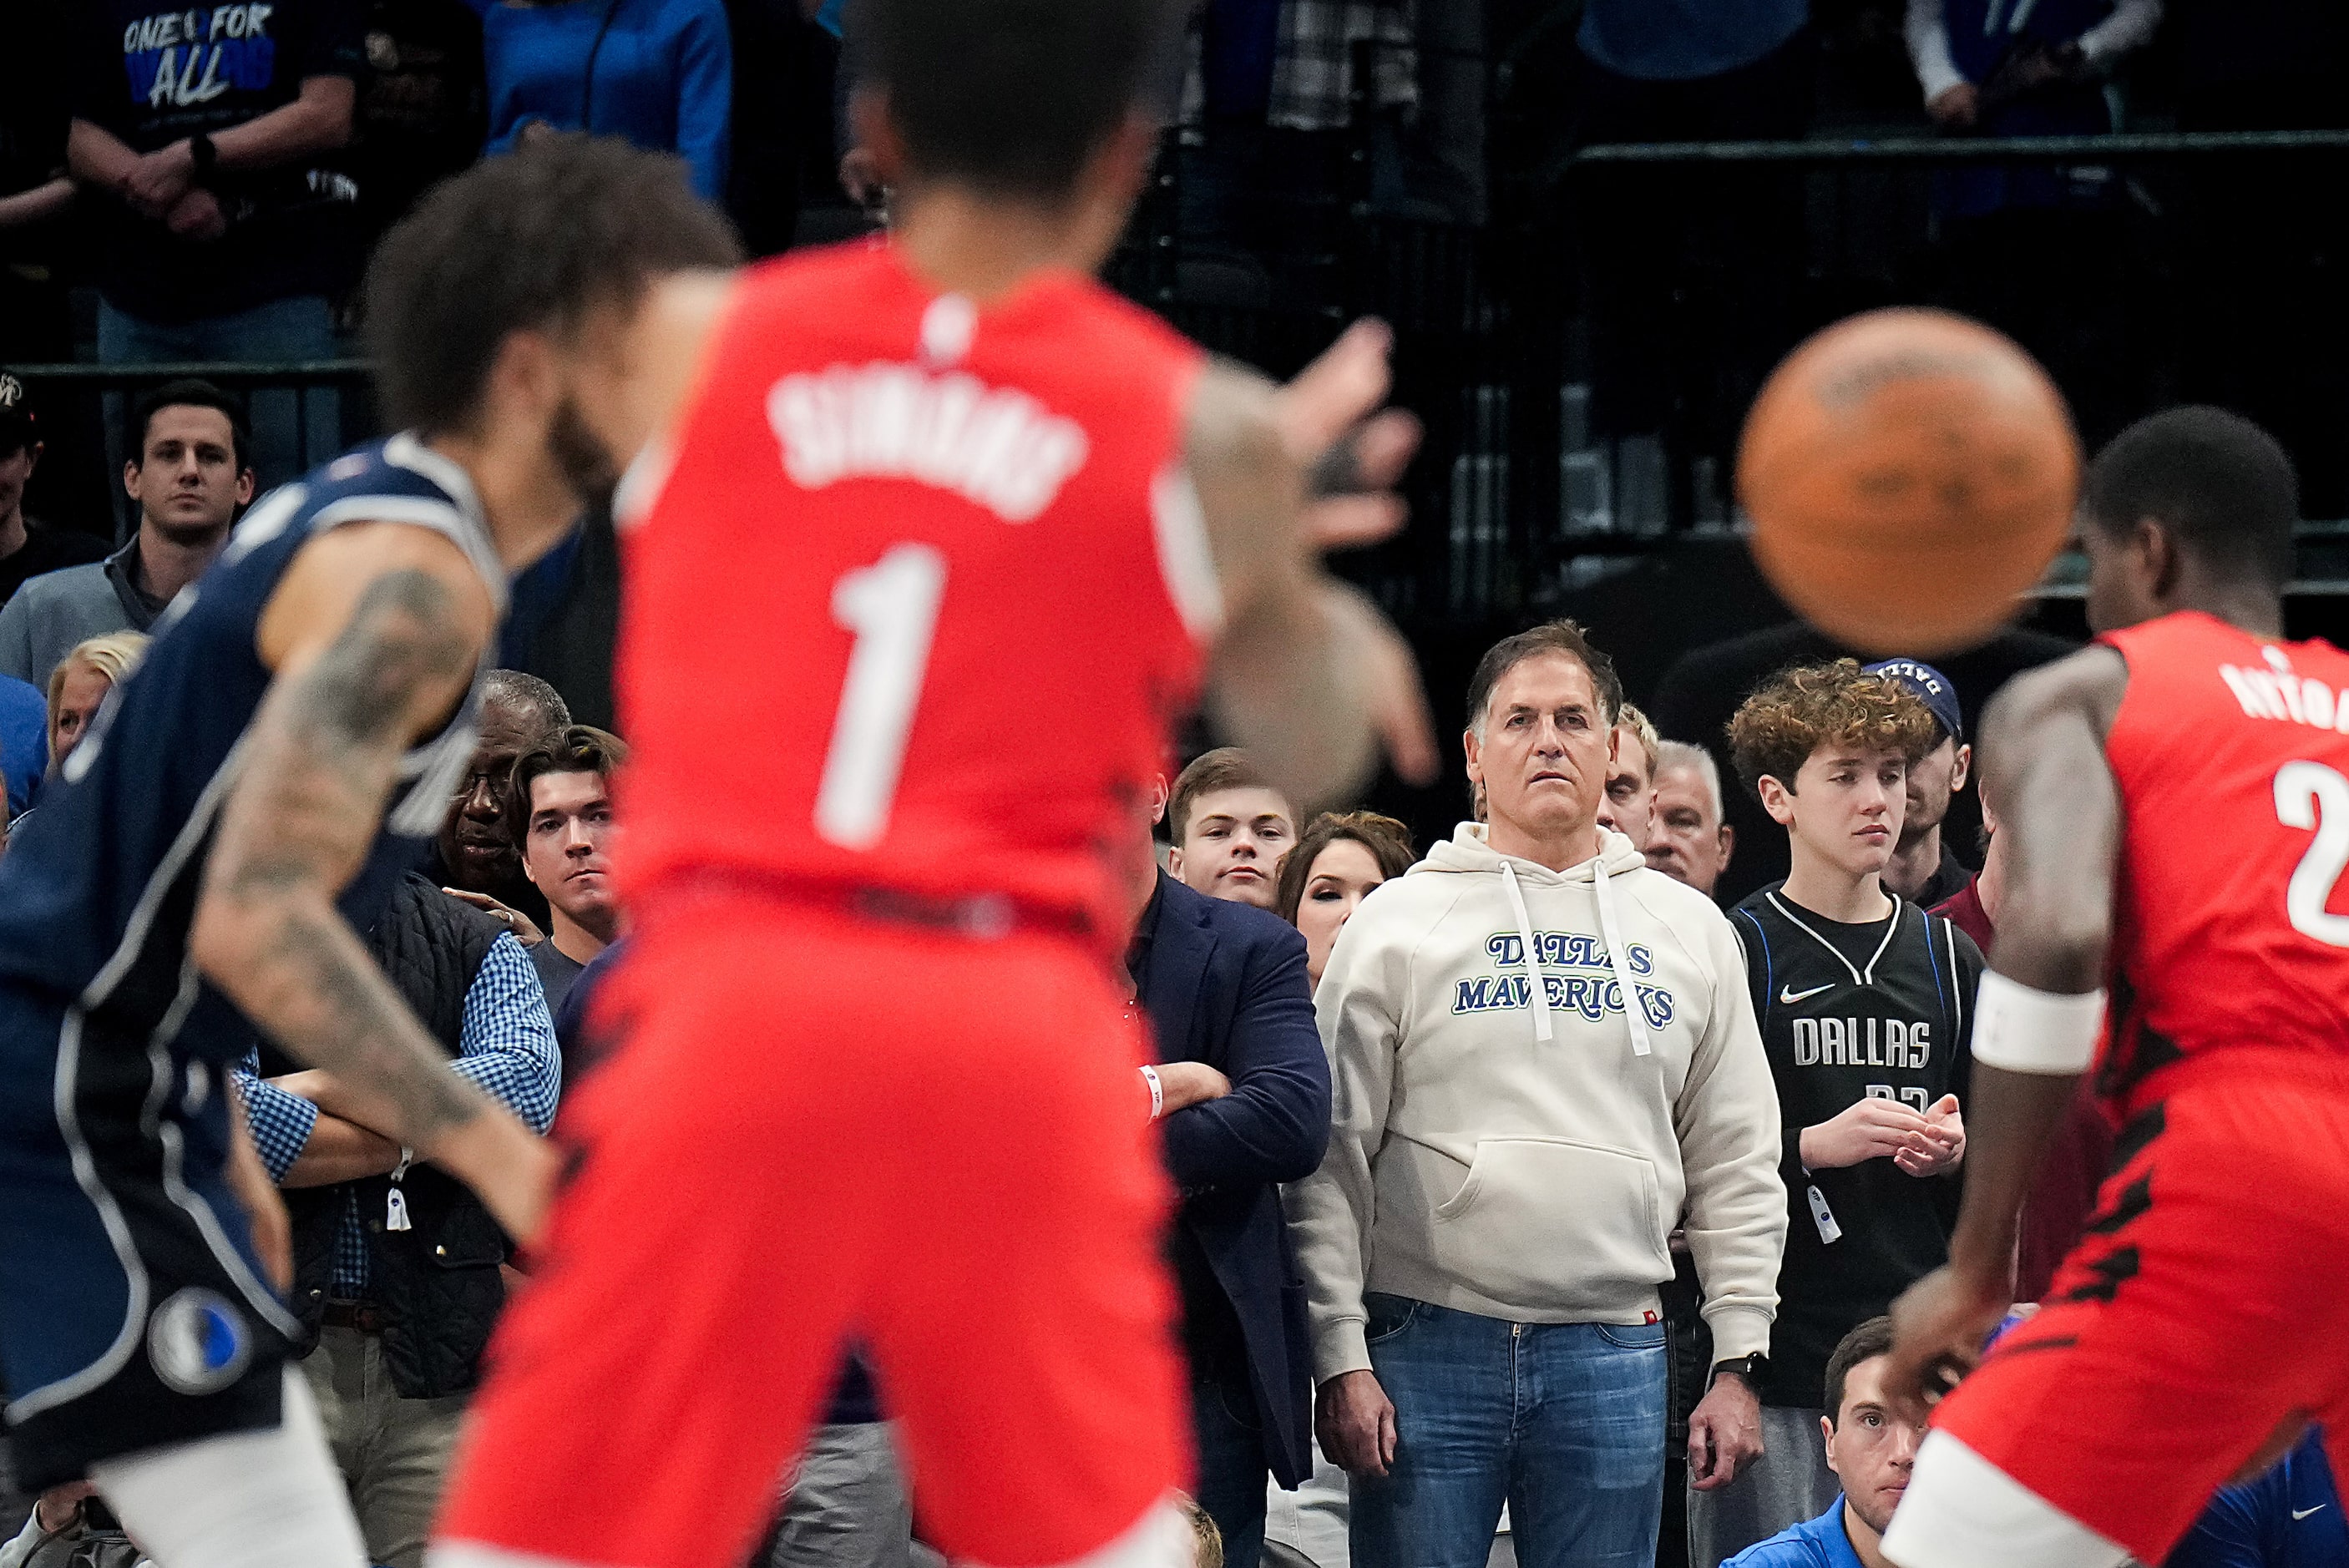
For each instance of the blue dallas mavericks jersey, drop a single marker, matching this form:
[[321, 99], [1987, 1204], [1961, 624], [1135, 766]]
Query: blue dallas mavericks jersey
[[98, 887]]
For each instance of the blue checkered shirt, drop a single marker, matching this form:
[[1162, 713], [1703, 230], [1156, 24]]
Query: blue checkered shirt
[[508, 1050]]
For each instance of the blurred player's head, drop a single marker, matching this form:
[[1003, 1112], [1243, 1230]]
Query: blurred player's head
[[1827, 750], [1871, 1447], [2189, 508], [1040, 103], [498, 311]]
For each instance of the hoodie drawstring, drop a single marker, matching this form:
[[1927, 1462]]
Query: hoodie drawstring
[[1542, 1030], [1634, 1011]]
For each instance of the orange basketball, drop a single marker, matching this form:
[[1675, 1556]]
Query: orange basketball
[[1909, 473]]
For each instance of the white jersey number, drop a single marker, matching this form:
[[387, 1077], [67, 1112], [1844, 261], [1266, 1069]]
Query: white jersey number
[[2311, 795], [892, 605]]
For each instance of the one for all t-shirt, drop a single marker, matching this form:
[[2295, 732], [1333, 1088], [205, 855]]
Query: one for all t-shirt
[[153, 76]]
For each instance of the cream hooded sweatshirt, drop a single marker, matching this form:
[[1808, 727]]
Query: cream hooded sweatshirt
[[1507, 1140]]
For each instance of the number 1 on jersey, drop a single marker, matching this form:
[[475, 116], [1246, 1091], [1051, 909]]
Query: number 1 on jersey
[[892, 605]]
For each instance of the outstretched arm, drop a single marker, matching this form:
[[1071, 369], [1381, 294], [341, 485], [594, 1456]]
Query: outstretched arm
[[1307, 673], [373, 633], [2034, 1031]]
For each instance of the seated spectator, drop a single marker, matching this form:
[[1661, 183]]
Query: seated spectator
[[478, 859], [657, 72], [1866, 1010], [24, 742], [201, 138], [2288, 1518], [562, 798], [1631, 799], [398, 1269], [1241, 1090], [1923, 869], [1543, 1054], [1337, 862], [189, 476], [1688, 837], [80, 684], [1230, 829], [29, 547], [1870, 1448]]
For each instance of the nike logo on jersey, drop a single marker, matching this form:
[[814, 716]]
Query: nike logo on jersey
[[2300, 1513], [995, 446], [1788, 996]]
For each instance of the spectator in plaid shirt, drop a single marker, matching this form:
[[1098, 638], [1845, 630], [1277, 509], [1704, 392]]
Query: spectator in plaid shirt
[[1266, 107], [398, 1269]]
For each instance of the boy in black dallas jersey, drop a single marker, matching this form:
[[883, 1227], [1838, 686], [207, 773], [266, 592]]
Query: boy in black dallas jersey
[[1866, 1004]]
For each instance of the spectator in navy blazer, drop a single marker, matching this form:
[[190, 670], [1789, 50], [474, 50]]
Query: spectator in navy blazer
[[1224, 985]]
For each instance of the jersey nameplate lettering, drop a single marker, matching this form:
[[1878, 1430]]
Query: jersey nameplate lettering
[[2277, 693], [996, 448]]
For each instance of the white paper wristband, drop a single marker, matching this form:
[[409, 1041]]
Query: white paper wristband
[[2024, 1030], [1157, 1093]]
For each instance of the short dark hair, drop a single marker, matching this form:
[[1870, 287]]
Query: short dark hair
[[1799, 711], [1388, 840], [1560, 636], [1866, 1343], [519, 688], [573, 748], [1011, 96], [191, 393], [2216, 481], [1225, 768], [531, 239]]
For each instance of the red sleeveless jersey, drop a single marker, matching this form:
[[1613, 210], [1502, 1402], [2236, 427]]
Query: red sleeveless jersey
[[918, 590], [2232, 927]]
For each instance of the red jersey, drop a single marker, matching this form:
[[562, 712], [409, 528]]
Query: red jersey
[[919, 591], [2232, 927]]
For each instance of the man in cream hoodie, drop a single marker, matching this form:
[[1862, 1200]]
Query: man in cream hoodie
[[1545, 1060]]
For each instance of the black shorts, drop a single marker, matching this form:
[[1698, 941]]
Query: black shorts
[[133, 1314]]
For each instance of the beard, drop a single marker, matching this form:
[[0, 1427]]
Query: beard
[[586, 464]]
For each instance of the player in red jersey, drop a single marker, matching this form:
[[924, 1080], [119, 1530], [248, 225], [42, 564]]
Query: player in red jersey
[[963, 525], [2175, 802]]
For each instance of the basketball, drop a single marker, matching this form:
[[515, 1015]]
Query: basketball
[[1909, 473]]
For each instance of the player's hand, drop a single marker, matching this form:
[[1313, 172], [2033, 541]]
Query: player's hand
[[1724, 1433], [1356, 1423], [1945, 1138], [526, 930], [1353, 451], [59, 1509], [1869, 1129], [1939, 1326], [510, 1168], [1186, 1084]]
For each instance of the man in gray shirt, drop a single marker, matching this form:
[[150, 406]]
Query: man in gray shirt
[[191, 477]]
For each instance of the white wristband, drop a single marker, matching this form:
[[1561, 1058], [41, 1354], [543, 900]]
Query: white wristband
[[1157, 1093], [2024, 1030]]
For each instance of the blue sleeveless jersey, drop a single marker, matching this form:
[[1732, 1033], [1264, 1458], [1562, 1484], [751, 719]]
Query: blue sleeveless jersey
[[98, 886]]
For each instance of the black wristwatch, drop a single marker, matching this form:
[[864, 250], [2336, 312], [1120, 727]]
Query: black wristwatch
[[202, 154], [1747, 1366]]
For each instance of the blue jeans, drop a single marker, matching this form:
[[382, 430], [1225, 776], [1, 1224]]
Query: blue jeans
[[1232, 1468], [1563, 1421], [292, 431]]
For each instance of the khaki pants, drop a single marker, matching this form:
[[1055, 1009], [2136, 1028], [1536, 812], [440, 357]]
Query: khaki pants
[[393, 1452]]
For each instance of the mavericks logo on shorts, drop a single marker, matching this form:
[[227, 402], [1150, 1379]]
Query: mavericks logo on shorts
[[198, 1342]]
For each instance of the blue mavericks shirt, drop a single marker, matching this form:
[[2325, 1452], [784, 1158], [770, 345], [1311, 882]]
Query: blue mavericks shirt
[[98, 891]]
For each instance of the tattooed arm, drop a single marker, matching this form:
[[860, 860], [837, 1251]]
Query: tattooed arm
[[1307, 674], [373, 634]]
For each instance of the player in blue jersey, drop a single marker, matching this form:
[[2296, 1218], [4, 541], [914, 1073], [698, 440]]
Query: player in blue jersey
[[240, 807]]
